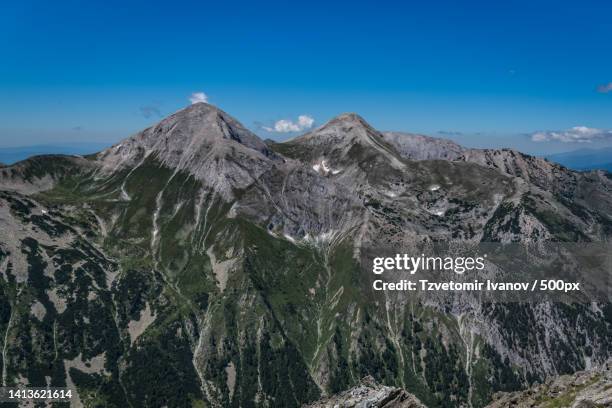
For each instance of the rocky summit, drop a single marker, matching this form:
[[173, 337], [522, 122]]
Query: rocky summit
[[193, 264]]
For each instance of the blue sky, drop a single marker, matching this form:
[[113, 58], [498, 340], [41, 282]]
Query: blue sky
[[484, 73]]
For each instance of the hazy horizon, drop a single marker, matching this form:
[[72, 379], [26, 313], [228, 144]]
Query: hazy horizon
[[530, 76], [10, 154]]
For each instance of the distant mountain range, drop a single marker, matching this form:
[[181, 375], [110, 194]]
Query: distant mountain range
[[585, 159], [10, 155]]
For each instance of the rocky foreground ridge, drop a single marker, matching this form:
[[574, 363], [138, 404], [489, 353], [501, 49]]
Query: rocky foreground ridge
[[584, 389], [369, 394]]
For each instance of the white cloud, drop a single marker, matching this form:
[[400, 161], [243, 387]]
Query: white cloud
[[605, 88], [198, 97], [286, 125], [577, 134]]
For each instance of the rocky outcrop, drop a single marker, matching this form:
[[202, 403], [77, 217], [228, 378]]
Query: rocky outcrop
[[369, 394], [584, 389]]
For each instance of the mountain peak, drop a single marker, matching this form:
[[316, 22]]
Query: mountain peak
[[348, 119], [206, 121], [346, 127], [201, 140], [346, 139], [200, 108], [194, 128]]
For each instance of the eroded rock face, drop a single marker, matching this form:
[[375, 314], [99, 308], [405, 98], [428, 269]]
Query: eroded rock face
[[584, 389], [420, 147], [369, 394]]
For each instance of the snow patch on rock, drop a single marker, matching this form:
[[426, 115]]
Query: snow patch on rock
[[324, 169]]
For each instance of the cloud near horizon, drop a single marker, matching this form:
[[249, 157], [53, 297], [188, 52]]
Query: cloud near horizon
[[577, 134], [198, 97], [605, 88], [303, 122]]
